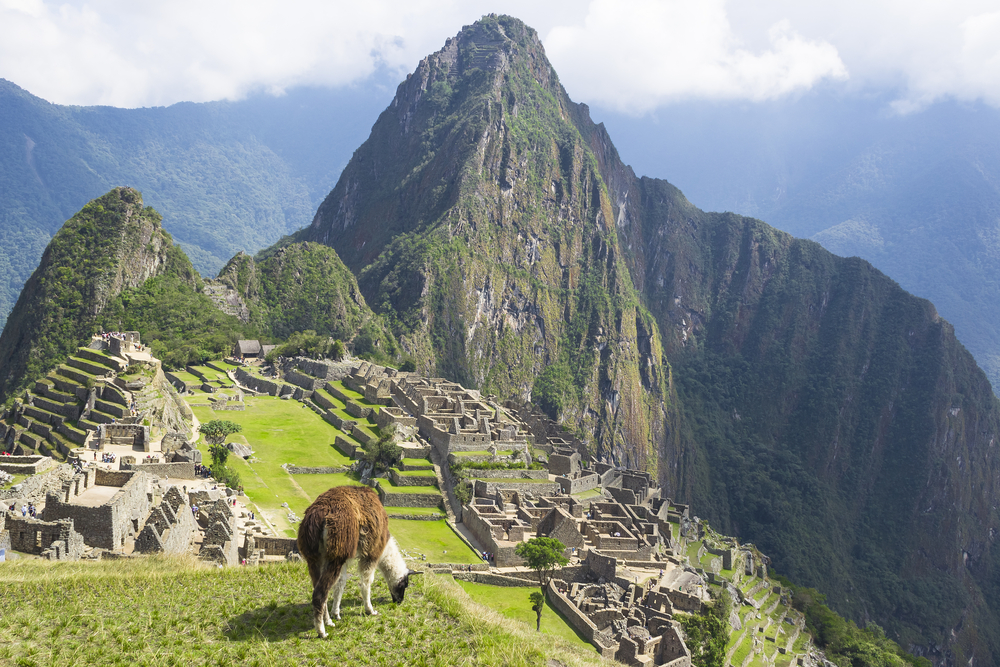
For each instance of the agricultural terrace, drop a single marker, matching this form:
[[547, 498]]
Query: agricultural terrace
[[286, 432]]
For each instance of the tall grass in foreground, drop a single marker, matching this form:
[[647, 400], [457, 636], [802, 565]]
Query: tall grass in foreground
[[178, 611]]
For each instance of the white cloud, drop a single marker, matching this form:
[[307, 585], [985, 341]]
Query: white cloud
[[632, 54], [640, 54]]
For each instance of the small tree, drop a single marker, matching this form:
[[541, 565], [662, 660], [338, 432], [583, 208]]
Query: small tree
[[544, 555], [537, 604], [215, 431], [219, 454], [384, 453]]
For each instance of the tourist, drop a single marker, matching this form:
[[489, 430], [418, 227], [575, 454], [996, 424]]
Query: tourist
[[24, 510]]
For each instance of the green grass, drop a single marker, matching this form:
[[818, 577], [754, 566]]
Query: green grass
[[18, 478], [513, 603], [161, 611], [392, 488], [417, 462], [417, 473], [417, 511], [587, 495], [185, 377], [279, 431], [314, 485], [434, 539], [744, 649]]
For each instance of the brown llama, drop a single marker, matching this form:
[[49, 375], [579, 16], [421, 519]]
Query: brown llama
[[343, 524]]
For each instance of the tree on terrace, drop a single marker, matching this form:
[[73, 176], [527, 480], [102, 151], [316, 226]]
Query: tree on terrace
[[215, 431], [544, 555]]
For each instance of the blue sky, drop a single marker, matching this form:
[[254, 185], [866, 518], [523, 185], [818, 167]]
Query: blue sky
[[633, 56]]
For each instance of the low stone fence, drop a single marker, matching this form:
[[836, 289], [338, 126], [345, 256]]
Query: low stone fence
[[180, 470], [355, 409], [363, 436], [516, 474], [393, 499], [25, 465], [345, 425], [179, 383], [338, 393], [259, 385], [491, 579], [300, 470], [412, 480], [488, 488]]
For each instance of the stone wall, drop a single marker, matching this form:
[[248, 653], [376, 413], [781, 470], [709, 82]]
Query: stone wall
[[601, 565], [259, 385], [408, 499], [580, 484], [169, 527], [410, 480], [108, 525], [579, 620], [487, 488], [513, 475], [179, 470], [276, 546], [55, 540], [25, 465], [219, 545], [348, 448], [40, 484]]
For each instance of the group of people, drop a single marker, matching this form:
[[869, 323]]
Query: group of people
[[488, 556], [106, 457], [202, 471], [27, 510]]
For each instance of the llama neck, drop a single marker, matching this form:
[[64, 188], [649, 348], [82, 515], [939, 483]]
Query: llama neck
[[391, 563]]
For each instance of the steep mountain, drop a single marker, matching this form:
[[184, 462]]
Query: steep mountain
[[114, 243], [820, 410], [228, 176], [477, 222], [304, 287], [829, 416], [917, 195]]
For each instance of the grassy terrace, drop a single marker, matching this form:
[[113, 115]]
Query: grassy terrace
[[423, 490], [417, 462], [417, 473], [279, 431], [164, 611], [482, 453], [185, 377], [513, 603]]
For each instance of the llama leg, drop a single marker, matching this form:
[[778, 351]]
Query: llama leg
[[366, 573], [327, 576], [338, 592]]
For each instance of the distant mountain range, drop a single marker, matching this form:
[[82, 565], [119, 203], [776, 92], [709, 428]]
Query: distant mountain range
[[228, 176]]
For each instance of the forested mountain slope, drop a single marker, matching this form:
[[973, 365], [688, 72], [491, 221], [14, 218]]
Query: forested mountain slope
[[828, 415]]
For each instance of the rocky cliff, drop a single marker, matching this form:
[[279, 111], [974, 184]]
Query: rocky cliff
[[478, 223], [113, 244]]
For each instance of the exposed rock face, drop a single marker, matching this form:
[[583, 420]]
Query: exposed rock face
[[111, 245], [477, 220]]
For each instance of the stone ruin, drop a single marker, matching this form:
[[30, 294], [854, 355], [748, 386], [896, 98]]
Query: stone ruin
[[169, 526]]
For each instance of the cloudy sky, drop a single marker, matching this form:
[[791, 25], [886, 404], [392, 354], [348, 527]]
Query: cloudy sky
[[633, 56]]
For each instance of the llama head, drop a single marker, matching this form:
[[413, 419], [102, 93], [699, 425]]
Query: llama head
[[398, 589], [393, 567]]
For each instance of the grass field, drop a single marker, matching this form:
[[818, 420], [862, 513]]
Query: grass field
[[279, 431], [513, 603], [162, 611], [434, 539]]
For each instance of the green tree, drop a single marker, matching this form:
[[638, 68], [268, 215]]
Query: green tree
[[544, 555], [219, 454], [537, 604], [384, 453], [708, 632], [215, 431]]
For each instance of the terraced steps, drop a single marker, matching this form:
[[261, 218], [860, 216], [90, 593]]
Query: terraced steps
[[98, 357], [87, 366], [113, 409], [80, 377]]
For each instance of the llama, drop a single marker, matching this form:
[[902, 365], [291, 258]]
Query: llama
[[347, 523]]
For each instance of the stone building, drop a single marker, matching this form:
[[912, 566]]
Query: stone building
[[169, 527], [54, 540], [107, 507]]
